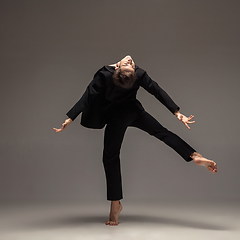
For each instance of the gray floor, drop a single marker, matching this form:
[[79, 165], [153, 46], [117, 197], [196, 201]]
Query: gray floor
[[141, 220]]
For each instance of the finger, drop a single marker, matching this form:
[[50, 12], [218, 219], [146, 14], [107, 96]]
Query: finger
[[187, 125], [57, 130], [191, 117], [191, 122]]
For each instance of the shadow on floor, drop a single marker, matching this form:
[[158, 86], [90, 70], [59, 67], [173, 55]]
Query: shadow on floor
[[77, 221]]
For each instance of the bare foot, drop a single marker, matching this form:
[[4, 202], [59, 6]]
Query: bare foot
[[200, 160], [116, 208]]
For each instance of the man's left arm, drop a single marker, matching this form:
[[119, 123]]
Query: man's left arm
[[153, 88]]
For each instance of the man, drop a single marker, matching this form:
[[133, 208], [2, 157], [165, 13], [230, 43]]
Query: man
[[110, 99]]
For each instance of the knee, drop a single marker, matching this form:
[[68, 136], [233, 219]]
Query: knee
[[110, 156], [161, 134], [105, 157]]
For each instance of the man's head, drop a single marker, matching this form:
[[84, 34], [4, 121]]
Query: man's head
[[124, 75], [126, 64]]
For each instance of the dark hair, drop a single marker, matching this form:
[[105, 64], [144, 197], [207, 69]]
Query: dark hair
[[124, 78]]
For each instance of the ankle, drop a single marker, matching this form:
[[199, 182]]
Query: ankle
[[197, 158], [195, 155]]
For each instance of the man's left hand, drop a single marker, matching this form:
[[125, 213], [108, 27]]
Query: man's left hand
[[184, 119]]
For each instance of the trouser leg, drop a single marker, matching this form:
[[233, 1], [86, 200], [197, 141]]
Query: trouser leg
[[119, 118], [150, 125], [113, 138]]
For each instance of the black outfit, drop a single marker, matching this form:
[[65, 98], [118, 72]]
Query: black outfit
[[105, 103]]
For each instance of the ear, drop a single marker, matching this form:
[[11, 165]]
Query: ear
[[117, 65]]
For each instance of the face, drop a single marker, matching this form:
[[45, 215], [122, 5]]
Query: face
[[126, 64]]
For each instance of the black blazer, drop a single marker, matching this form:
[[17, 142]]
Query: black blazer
[[102, 95]]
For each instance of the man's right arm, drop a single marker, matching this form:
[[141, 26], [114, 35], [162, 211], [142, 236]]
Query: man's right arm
[[93, 89]]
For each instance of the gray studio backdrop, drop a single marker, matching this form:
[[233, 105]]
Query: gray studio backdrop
[[50, 50]]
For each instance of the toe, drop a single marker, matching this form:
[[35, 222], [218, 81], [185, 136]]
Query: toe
[[113, 223]]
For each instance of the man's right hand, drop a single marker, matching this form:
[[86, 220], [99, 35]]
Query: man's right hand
[[64, 125]]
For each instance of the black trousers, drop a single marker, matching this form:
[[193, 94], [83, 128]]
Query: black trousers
[[121, 117]]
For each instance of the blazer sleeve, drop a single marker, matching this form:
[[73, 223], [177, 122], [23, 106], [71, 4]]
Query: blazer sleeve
[[92, 90], [153, 88]]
